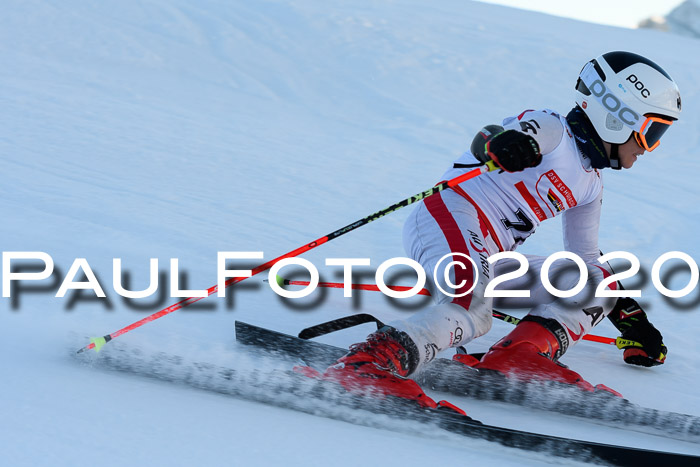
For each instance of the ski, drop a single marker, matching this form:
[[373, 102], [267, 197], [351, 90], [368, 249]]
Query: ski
[[452, 377], [266, 380]]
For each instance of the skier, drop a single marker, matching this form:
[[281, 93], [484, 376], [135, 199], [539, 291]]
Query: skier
[[550, 165]]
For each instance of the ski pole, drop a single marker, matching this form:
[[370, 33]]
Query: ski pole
[[339, 285], [619, 342], [97, 342]]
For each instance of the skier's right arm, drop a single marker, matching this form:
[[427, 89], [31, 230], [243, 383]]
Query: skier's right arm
[[520, 142], [511, 150]]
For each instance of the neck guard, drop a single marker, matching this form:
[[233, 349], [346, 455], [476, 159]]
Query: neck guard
[[587, 140]]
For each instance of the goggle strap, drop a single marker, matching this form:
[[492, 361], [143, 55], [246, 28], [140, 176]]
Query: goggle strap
[[615, 157]]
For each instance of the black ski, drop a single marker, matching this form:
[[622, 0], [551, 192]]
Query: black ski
[[455, 378], [262, 380]]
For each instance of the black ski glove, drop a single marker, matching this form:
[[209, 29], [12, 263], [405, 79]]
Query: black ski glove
[[642, 343], [513, 151]]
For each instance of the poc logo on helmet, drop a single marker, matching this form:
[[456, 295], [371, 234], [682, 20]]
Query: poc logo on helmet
[[613, 104], [639, 86]]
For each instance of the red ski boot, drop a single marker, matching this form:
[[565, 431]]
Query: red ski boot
[[380, 366], [530, 352]]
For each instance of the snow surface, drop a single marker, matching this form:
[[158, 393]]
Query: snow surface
[[175, 129]]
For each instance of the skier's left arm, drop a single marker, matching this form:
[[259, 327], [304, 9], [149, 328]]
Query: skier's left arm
[[580, 228], [643, 342]]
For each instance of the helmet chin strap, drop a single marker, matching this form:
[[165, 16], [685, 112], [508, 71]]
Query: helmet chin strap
[[615, 157]]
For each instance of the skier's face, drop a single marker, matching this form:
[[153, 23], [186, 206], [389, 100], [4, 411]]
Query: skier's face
[[628, 153]]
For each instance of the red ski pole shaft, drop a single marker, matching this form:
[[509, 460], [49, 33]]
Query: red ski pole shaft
[[400, 288], [371, 287], [588, 337], [97, 343]]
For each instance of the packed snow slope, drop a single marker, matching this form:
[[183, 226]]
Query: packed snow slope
[[176, 129]]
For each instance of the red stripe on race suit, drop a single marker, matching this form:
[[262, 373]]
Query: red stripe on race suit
[[531, 201], [450, 229], [520, 117], [606, 274], [486, 227]]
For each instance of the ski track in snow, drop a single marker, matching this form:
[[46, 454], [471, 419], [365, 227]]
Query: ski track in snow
[[170, 129]]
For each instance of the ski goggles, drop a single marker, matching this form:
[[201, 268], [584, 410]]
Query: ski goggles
[[650, 132], [648, 129]]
